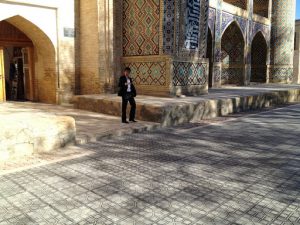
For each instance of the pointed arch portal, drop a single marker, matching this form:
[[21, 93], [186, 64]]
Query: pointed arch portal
[[259, 50], [232, 45], [30, 49]]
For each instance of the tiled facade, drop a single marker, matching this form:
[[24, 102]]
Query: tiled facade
[[297, 53], [164, 41], [252, 21]]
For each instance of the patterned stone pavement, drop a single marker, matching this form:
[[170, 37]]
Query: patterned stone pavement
[[245, 171]]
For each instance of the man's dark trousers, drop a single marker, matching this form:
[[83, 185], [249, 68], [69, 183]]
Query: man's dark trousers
[[132, 109]]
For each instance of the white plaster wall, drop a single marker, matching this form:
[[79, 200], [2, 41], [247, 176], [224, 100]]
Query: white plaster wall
[[43, 18]]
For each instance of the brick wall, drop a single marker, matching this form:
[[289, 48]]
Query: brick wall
[[100, 45]]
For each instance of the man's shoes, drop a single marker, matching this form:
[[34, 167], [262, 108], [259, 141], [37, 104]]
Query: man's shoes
[[124, 121], [134, 121]]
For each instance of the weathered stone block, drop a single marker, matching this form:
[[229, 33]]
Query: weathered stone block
[[27, 133]]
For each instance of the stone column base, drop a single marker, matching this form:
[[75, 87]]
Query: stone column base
[[217, 75], [281, 74], [189, 76]]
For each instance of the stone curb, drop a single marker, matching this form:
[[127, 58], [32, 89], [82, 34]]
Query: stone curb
[[84, 139]]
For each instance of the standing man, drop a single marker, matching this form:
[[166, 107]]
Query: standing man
[[127, 92]]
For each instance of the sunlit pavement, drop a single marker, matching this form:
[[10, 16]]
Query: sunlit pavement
[[245, 171]]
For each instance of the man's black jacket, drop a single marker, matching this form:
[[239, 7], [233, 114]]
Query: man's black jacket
[[123, 87]]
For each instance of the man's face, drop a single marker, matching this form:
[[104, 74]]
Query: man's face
[[126, 73]]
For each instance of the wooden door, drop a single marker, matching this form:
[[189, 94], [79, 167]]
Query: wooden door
[[2, 76], [28, 73]]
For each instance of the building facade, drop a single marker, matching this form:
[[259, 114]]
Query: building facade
[[297, 53], [51, 50]]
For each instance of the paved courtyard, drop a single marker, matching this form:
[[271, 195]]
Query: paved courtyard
[[243, 171]]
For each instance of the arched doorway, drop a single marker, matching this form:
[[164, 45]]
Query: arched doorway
[[233, 55], [27, 47], [209, 55], [259, 59], [17, 63]]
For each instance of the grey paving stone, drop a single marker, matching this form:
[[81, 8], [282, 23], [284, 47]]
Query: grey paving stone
[[240, 172], [19, 220]]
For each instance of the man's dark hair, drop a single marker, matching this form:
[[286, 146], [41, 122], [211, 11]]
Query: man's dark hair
[[127, 69]]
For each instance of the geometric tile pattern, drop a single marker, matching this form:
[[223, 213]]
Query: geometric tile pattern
[[232, 75], [204, 20], [178, 28], [169, 26], [217, 74], [141, 20], [232, 45], [249, 41], [148, 73], [232, 55], [281, 74], [258, 27], [228, 18], [189, 73], [192, 24], [240, 173], [218, 36], [282, 39], [212, 19]]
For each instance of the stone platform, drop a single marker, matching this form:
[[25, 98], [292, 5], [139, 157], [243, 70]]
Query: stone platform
[[23, 134], [219, 102], [90, 126]]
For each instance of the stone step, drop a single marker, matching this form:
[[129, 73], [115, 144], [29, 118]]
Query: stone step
[[174, 111]]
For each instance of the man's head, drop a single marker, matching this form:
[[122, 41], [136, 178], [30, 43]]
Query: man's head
[[127, 71]]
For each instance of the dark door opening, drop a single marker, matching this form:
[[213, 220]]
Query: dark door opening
[[259, 59], [17, 76], [209, 55], [17, 60]]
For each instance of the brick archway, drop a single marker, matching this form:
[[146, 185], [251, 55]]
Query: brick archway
[[44, 66]]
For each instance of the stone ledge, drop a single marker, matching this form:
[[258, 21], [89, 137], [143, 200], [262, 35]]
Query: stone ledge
[[23, 134], [172, 111]]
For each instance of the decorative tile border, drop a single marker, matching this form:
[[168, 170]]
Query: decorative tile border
[[187, 73], [169, 27], [212, 20]]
